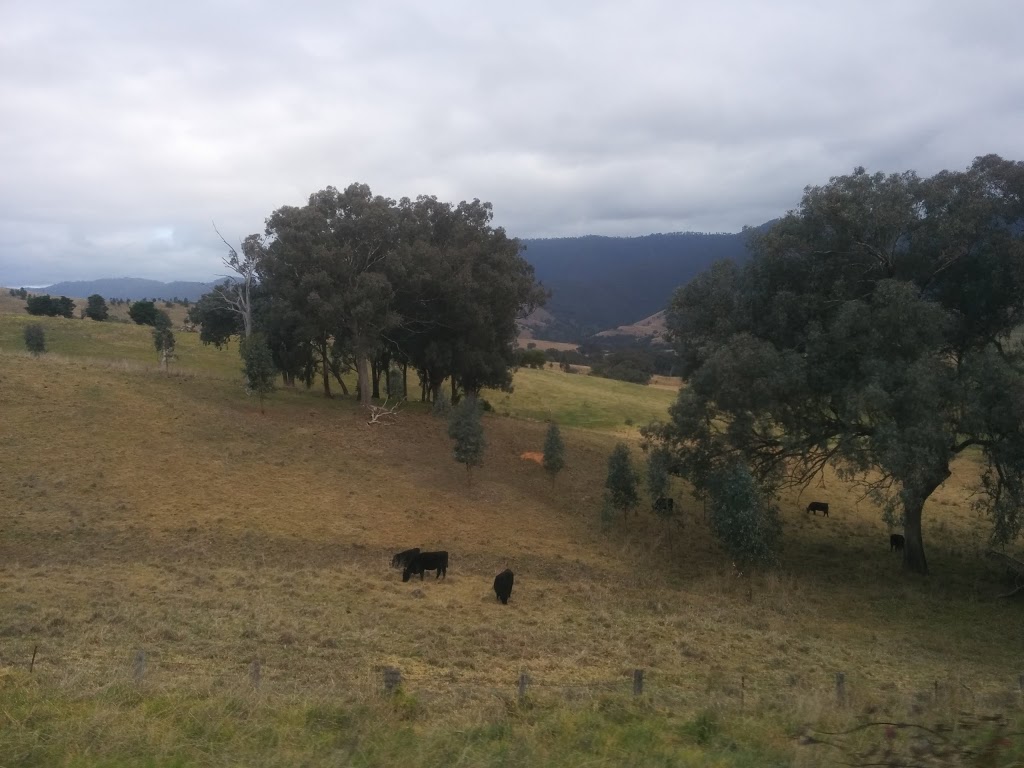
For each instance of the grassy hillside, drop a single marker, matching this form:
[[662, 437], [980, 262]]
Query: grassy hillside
[[164, 514]]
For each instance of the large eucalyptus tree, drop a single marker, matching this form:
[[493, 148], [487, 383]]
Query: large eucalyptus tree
[[874, 330]]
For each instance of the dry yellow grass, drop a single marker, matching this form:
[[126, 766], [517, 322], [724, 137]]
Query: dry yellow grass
[[164, 513]]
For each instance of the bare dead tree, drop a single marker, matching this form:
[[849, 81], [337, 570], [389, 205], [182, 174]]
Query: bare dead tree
[[237, 294]]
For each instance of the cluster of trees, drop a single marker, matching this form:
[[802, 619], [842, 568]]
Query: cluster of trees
[[874, 330], [18, 293], [354, 281], [48, 306]]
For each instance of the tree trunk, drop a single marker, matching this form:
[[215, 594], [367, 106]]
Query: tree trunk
[[405, 380], [326, 366], [913, 505], [913, 549], [375, 378], [363, 376]]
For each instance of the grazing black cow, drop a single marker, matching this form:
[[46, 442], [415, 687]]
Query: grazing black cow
[[897, 542], [818, 506], [664, 505], [402, 558], [426, 561], [503, 585]]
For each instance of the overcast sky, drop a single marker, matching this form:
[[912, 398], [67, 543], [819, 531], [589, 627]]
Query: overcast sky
[[126, 127]]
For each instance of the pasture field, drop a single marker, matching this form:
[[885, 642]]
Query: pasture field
[[162, 513]]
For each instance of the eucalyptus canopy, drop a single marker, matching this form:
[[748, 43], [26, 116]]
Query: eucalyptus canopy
[[874, 330]]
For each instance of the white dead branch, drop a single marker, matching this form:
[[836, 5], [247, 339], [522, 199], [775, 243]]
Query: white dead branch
[[379, 413]]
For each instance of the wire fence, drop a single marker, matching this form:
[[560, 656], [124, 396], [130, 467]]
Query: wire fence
[[147, 665]]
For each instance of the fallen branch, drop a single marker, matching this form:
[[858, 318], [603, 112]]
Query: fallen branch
[[379, 412]]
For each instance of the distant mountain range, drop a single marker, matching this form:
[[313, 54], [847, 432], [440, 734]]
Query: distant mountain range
[[596, 283], [133, 288]]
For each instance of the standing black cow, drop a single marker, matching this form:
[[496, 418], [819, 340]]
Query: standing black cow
[[426, 561], [402, 558], [503, 585], [896, 542], [818, 506], [665, 505]]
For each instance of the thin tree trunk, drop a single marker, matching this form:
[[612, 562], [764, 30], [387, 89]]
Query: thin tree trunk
[[405, 380], [326, 366], [375, 378]]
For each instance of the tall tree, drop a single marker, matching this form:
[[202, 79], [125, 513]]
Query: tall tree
[[326, 261], [460, 285], [743, 518], [554, 451], [871, 331], [466, 429], [35, 339], [621, 482], [258, 366], [144, 312], [237, 294], [163, 338], [96, 309]]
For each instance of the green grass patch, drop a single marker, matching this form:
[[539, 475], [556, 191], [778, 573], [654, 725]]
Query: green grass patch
[[576, 400]]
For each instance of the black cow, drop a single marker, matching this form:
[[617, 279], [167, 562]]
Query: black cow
[[426, 561], [897, 542], [402, 558], [818, 506], [665, 505], [503, 585]]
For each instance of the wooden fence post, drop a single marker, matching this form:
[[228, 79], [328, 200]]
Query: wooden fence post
[[139, 665], [638, 682], [524, 681], [392, 679], [840, 689], [255, 673], [35, 648], [743, 689]]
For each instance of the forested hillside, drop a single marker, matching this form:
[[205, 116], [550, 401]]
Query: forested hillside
[[598, 283]]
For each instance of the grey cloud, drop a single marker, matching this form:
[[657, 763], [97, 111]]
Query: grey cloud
[[125, 128]]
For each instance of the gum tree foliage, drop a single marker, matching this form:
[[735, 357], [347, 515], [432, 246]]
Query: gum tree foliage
[[554, 451], [460, 285], [442, 406], [144, 312], [742, 517], [258, 366], [871, 331], [163, 338], [466, 429], [658, 478], [326, 262], [49, 306], [622, 481], [96, 309], [357, 281], [35, 339]]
